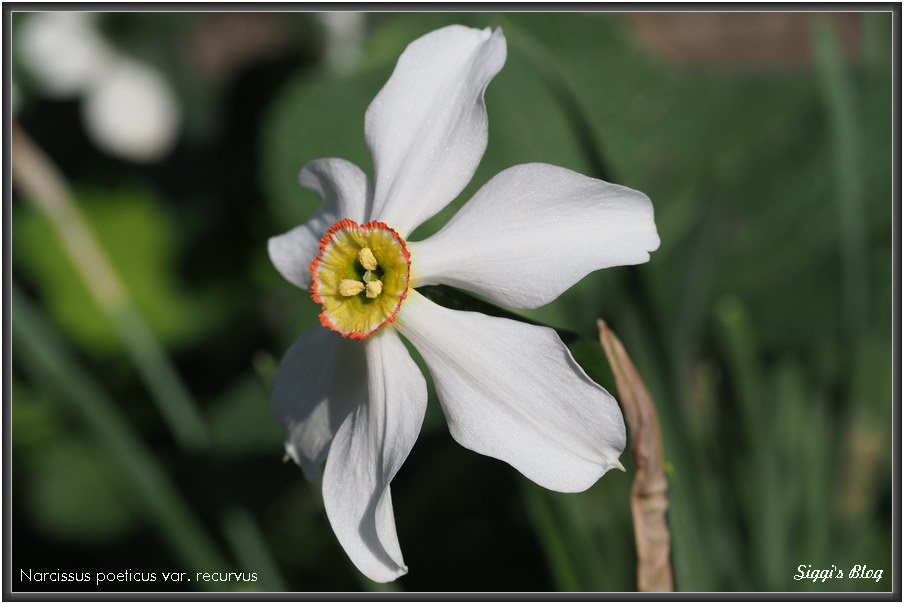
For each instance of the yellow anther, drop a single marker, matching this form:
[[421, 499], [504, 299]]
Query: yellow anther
[[348, 287], [374, 288], [367, 259]]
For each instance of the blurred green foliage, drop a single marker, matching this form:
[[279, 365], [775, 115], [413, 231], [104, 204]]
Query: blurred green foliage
[[73, 489], [135, 226], [761, 326]]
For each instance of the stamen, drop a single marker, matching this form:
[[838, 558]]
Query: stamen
[[361, 277], [348, 287], [367, 259], [374, 288]]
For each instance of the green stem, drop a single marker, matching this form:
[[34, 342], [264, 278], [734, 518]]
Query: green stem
[[766, 500], [551, 536], [843, 130], [250, 549]]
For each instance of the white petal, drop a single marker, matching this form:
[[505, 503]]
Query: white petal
[[368, 450], [533, 231], [319, 381], [132, 112], [512, 391], [343, 187], [427, 128]]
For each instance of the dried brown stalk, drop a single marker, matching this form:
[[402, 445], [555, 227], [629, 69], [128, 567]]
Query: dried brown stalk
[[649, 495]]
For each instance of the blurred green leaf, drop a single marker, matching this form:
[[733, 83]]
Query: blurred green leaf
[[251, 551], [72, 489], [313, 117], [75, 494], [133, 228], [843, 127], [550, 534], [241, 422], [33, 415]]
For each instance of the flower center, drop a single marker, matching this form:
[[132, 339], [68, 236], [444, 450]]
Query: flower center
[[360, 277]]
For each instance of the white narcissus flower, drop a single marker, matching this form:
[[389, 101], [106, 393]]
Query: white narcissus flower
[[129, 108], [132, 112], [508, 389], [64, 51]]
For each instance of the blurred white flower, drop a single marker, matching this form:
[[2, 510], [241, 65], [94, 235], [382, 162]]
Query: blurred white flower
[[508, 389], [129, 108], [132, 112], [64, 52], [344, 34]]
